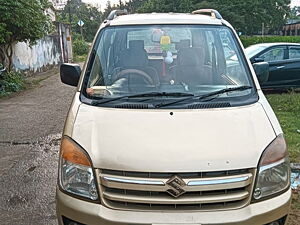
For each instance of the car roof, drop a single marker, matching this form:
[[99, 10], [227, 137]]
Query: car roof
[[276, 44], [164, 18]]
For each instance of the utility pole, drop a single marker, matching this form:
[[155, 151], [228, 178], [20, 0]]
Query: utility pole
[[69, 38], [70, 16], [262, 29]]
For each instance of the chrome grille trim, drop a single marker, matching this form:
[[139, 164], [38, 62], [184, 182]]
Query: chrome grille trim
[[184, 200], [144, 191], [216, 183], [131, 181], [219, 181]]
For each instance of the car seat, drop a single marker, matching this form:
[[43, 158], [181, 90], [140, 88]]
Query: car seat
[[136, 57], [190, 67]]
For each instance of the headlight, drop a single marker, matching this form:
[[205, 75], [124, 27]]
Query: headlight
[[273, 171], [75, 171]]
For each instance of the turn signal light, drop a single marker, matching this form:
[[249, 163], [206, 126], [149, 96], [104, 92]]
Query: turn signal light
[[71, 152]]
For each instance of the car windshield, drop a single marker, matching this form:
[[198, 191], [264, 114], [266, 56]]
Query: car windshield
[[254, 49], [164, 59]]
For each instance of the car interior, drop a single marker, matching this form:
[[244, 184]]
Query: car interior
[[136, 63]]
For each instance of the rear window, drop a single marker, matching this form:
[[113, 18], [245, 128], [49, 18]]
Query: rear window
[[152, 45]]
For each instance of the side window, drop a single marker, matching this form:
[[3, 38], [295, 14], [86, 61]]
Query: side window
[[212, 49], [232, 63], [273, 54], [294, 53], [102, 62], [228, 46]]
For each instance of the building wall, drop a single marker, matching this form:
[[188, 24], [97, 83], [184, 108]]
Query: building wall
[[59, 4], [49, 51], [291, 29], [45, 53]]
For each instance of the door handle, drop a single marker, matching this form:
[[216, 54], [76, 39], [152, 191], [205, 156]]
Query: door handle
[[280, 67]]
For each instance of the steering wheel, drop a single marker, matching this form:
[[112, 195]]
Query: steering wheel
[[127, 72]]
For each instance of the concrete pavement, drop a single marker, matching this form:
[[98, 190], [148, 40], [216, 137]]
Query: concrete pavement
[[30, 130]]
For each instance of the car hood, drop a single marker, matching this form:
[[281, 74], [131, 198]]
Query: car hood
[[187, 141]]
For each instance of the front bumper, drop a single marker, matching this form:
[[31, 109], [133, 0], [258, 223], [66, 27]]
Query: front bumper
[[95, 214]]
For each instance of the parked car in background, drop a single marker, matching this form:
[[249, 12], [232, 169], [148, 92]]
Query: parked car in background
[[284, 63]]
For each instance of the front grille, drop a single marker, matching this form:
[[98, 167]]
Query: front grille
[[176, 191]]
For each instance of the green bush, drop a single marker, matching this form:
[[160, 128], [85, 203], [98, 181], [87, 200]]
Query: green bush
[[11, 82], [80, 47], [247, 41]]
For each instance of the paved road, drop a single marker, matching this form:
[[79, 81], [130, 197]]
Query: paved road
[[30, 130]]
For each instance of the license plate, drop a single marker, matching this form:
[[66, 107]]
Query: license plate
[[177, 224]]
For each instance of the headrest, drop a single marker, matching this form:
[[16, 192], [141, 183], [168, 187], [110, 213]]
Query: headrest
[[186, 43], [190, 57], [135, 56], [136, 44]]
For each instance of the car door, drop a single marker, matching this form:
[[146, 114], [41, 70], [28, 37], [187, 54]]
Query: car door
[[292, 75], [277, 58]]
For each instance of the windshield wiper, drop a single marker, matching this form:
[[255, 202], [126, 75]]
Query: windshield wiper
[[205, 96], [141, 95]]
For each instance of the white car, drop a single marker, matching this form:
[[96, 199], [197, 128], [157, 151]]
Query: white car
[[177, 136]]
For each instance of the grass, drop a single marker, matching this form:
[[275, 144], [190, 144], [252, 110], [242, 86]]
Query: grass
[[294, 217], [11, 82], [287, 109], [79, 58], [14, 82]]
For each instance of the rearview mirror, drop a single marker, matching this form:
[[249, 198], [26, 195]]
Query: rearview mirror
[[262, 71], [258, 60], [70, 74], [156, 35]]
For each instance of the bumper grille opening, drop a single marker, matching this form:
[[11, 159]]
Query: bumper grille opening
[[168, 207], [68, 221], [198, 191]]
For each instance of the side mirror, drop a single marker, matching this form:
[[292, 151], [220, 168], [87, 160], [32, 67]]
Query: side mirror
[[262, 71], [70, 74]]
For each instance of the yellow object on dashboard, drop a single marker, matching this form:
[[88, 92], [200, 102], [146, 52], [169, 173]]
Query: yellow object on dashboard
[[165, 40]]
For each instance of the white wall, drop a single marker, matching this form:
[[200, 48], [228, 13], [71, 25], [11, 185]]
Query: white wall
[[46, 52]]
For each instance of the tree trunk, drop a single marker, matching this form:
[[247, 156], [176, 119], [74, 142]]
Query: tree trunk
[[6, 53], [2, 55], [9, 53]]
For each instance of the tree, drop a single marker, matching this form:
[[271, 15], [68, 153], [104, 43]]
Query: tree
[[167, 6], [247, 16], [22, 20], [133, 5], [76, 10], [108, 9], [295, 13]]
